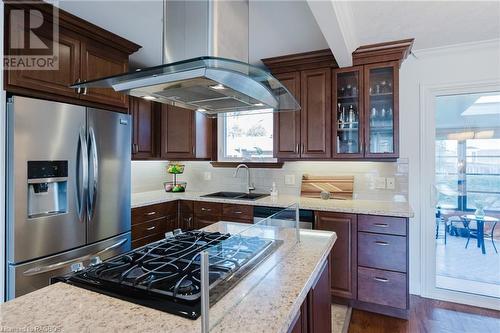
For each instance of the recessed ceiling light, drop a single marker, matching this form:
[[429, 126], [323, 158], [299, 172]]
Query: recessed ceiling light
[[218, 87], [258, 104], [149, 98], [201, 110]]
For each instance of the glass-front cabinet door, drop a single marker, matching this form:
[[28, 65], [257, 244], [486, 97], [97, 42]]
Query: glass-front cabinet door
[[348, 116], [381, 110]]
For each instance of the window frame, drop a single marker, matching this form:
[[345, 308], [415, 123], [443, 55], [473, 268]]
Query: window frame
[[222, 145]]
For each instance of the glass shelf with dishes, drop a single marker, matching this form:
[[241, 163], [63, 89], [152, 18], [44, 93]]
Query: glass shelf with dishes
[[380, 110], [348, 113]]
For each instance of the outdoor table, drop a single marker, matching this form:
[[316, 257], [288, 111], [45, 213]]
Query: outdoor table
[[480, 227]]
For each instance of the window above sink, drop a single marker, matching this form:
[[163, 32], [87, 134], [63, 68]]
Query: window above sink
[[246, 138]]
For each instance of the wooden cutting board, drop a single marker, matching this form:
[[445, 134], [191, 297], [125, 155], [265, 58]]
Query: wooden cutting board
[[340, 187]]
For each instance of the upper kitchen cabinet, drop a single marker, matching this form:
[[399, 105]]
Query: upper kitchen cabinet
[[287, 124], [83, 51], [315, 117], [98, 61], [382, 110], [346, 113], [348, 118], [185, 134], [305, 134], [144, 115]]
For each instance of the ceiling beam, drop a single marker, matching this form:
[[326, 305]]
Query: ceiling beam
[[335, 20]]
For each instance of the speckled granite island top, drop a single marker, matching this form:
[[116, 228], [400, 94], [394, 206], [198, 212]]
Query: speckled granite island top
[[372, 207], [266, 300]]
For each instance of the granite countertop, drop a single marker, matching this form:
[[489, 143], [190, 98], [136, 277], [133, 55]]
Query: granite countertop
[[373, 207], [266, 300]]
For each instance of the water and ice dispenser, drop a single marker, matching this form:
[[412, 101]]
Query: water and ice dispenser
[[47, 188]]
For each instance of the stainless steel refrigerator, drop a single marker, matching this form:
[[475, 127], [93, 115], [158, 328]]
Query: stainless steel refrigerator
[[68, 190]]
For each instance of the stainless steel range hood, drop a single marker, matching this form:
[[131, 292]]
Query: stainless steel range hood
[[212, 84]]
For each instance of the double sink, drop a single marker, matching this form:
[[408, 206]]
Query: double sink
[[236, 195]]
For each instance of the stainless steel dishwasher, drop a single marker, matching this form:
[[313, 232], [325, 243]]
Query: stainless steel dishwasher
[[306, 217]]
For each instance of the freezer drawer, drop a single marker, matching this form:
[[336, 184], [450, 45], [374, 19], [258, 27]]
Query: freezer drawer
[[33, 275]]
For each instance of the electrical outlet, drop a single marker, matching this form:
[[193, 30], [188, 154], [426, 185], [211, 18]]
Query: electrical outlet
[[380, 183], [207, 175], [390, 183], [289, 179]]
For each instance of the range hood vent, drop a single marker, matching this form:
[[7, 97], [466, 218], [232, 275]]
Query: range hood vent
[[213, 83], [210, 85]]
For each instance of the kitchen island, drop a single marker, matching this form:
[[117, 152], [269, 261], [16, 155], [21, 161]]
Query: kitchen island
[[268, 299]]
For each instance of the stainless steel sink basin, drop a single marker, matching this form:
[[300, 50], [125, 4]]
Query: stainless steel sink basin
[[236, 195]]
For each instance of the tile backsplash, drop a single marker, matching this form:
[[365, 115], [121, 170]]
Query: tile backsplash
[[201, 176]]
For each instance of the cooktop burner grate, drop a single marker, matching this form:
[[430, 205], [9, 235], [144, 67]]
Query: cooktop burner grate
[[166, 274]]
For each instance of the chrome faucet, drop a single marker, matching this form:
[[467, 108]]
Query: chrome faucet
[[250, 186]]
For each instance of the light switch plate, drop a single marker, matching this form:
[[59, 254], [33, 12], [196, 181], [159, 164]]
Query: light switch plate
[[207, 175], [390, 183], [289, 179], [380, 183]]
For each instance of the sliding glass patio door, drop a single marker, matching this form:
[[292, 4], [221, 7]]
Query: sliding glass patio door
[[462, 214]]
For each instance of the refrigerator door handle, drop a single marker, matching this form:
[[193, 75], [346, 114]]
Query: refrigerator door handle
[[81, 162], [95, 174], [43, 269]]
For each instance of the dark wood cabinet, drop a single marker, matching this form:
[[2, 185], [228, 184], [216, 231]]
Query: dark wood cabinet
[[320, 304], [84, 52], [144, 117], [287, 124], [97, 61], [185, 134], [315, 315], [346, 113], [369, 261], [237, 213], [53, 81], [186, 215], [206, 213], [343, 257], [149, 223], [177, 133], [315, 99]]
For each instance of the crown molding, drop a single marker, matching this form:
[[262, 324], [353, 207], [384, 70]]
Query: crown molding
[[462, 47]]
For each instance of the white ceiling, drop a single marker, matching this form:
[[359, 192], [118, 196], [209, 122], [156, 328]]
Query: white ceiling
[[285, 27], [276, 27], [431, 23], [135, 20]]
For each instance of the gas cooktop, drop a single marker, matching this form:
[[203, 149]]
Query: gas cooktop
[[165, 275]]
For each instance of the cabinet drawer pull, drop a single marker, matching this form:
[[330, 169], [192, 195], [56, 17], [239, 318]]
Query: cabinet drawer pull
[[381, 243], [151, 228], [297, 148], [150, 213], [379, 279], [381, 225], [206, 209], [238, 212]]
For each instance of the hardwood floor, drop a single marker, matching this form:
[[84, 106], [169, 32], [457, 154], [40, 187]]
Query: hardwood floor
[[429, 316]]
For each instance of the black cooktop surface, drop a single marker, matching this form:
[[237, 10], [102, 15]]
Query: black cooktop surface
[[166, 274]]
